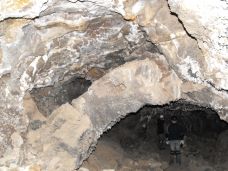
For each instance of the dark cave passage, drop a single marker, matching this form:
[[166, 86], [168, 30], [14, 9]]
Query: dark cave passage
[[49, 98], [132, 144]]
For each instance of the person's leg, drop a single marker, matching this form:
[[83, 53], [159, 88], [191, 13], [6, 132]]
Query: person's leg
[[172, 152], [178, 157], [178, 152]]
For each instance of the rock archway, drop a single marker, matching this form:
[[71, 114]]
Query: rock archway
[[72, 131], [133, 52]]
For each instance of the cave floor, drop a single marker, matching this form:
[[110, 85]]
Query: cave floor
[[144, 155]]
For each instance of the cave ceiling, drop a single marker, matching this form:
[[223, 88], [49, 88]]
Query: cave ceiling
[[134, 52]]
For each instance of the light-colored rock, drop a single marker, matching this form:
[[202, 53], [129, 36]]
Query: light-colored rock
[[52, 40], [83, 169], [27, 168], [21, 8], [37, 47], [208, 23], [123, 90]]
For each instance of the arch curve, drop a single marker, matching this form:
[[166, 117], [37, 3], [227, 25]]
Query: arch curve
[[73, 129]]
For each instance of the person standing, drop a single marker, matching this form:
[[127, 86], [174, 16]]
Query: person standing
[[176, 134], [161, 132]]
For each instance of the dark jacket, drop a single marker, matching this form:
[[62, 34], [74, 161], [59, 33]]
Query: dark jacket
[[176, 132], [160, 126]]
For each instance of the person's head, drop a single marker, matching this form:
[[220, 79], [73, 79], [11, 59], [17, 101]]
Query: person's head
[[174, 119], [161, 117]]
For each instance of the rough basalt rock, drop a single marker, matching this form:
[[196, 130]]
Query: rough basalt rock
[[123, 90], [22, 8], [41, 52], [47, 42], [208, 24]]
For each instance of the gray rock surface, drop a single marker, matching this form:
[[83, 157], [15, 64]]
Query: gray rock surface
[[208, 24], [45, 42], [123, 90]]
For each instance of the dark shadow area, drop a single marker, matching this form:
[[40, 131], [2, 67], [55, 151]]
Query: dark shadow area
[[132, 144], [50, 98]]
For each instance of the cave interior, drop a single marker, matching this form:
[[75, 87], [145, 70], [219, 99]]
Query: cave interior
[[83, 82], [132, 143]]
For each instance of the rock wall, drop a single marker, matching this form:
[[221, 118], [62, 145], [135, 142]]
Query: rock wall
[[72, 130], [207, 23], [44, 42]]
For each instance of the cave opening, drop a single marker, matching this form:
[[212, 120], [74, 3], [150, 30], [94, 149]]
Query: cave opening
[[50, 98], [79, 116], [132, 143], [39, 103]]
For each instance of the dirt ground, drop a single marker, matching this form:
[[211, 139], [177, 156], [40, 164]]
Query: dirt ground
[[114, 154]]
